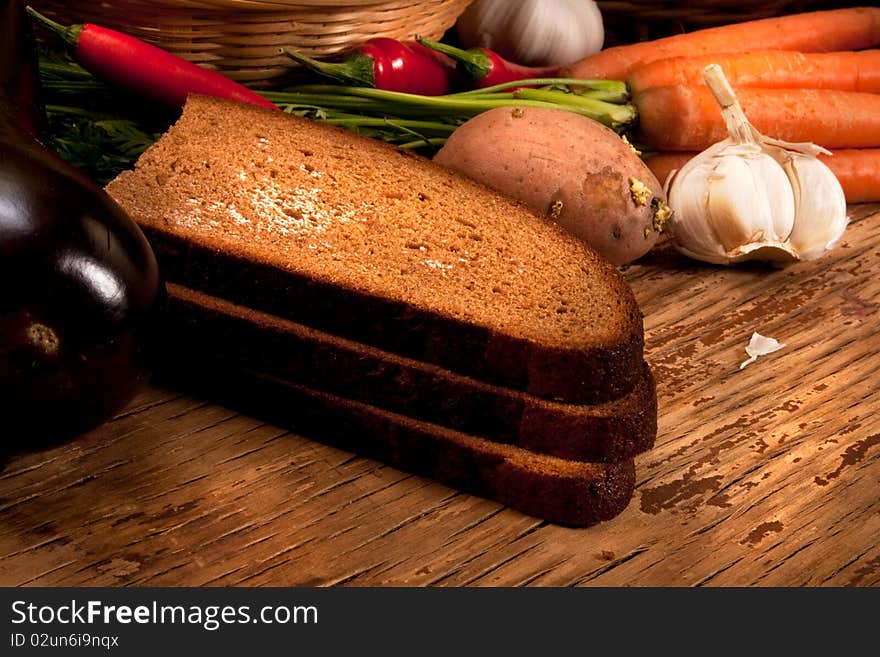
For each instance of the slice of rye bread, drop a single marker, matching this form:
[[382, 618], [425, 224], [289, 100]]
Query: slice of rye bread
[[357, 238], [566, 492], [612, 431]]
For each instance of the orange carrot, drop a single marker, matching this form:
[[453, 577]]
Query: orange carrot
[[858, 170], [662, 164], [854, 28], [687, 118], [846, 71]]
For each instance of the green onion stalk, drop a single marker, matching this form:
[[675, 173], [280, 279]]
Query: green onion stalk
[[600, 100]]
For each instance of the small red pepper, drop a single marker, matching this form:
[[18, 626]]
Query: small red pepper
[[388, 64], [145, 69], [486, 68]]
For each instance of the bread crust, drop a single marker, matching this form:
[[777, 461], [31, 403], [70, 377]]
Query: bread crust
[[602, 433], [571, 493]]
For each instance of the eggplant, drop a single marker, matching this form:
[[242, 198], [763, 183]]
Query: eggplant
[[80, 290]]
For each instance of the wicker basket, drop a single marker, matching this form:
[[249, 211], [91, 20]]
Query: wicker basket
[[241, 38]]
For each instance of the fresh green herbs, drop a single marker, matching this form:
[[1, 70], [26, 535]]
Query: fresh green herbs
[[91, 125], [100, 146], [101, 131]]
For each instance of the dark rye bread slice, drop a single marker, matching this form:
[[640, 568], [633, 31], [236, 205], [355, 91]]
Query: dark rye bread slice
[[566, 492], [608, 432], [356, 238]]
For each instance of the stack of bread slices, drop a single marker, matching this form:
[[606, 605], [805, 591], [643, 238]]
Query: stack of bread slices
[[382, 303]]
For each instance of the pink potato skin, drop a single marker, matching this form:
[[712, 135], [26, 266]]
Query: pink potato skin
[[564, 167]]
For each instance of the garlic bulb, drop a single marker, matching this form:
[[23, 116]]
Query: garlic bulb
[[751, 197], [534, 32]]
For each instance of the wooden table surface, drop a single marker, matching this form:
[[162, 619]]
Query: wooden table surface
[[763, 476]]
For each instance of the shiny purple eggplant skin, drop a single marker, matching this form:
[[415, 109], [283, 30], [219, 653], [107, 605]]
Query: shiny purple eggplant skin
[[80, 290]]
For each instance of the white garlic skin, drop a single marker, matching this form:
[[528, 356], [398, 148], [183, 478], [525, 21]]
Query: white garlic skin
[[820, 205], [733, 202], [534, 32], [754, 197]]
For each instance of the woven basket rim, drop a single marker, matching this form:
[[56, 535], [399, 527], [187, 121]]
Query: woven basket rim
[[242, 38], [279, 4]]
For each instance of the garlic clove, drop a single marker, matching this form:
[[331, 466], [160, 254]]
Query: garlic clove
[[820, 214], [750, 199], [688, 197]]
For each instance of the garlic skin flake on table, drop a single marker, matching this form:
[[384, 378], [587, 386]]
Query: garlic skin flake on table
[[751, 197], [760, 346]]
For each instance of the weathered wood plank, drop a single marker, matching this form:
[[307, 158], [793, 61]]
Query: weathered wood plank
[[765, 476]]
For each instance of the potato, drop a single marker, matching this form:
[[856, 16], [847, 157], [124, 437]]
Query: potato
[[568, 168]]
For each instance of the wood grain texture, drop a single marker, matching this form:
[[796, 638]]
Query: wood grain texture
[[766, 476]]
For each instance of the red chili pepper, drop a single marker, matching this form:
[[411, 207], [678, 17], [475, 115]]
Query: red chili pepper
[[388, 64], [486, 68], [145, 69]]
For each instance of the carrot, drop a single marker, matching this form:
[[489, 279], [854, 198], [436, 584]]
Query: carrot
[[854, 28], [662, 164], [687, 118], [858, 170], [846, 71]]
